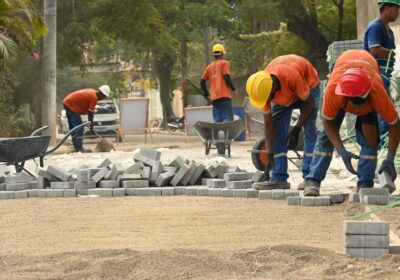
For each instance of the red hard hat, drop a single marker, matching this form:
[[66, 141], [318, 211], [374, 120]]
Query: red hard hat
[[354, 83]]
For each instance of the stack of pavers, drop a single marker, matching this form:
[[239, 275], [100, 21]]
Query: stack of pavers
[[366, 239], [375, 196]]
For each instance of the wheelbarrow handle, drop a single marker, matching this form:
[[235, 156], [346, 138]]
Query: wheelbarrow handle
[[65, 138], [37, 131]]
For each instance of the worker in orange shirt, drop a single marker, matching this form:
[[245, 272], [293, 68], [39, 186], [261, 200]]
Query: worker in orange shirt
[[355, 86], [288, 82], [218, 73], [81, 102]]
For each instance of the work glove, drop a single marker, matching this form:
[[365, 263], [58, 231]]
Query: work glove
[[346, 157], [293, 138], [388, 166], [269, 166]]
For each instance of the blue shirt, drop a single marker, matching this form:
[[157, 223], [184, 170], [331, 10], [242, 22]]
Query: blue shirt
[[376, 35]]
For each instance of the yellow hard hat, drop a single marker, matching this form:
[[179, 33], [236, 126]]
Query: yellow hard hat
[[218, 48], [258, 87]]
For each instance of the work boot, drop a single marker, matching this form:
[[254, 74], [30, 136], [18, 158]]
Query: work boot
[[300, 187], [83, 151], [271, 185], [311, 188]]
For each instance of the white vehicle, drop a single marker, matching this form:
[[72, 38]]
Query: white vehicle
[[105, 118]]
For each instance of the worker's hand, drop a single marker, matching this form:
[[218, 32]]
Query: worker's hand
[[388, 166], [346, 157], [235, 93], [269, 166], [293, 138]]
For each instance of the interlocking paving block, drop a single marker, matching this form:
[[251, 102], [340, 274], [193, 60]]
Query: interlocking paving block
[[155, 191], [250, 193], [118, 192], [165, 178], [203, 191], [100, 175], [226, 192], [131, 191], [146, 161], [128, 177], [258, 176], [50, 193], [150, 153], [215, 192], [33, 193], [191, 191], [197, 174], [168, 168], [85, 185], [135, 184], [376, 199], [168, 191], [109, 184], [385, 181], [366, 253], [179, 190], [211, 171], [143, 191], [316, 201], [267, 194], [3, 187], [136, 168], [83, 175], [101, 192], [238, 176], [261, 186], [192, 168], [372, 191], [69, 193], [204, 181], [156, 171], [239, 184], [354, 197], [116, 169], [336, 197], [178, 162], [394, 249], [221, 170], [289, 193], [179, 175], [105, 163], [239, 193], [31, 185], [216, 183], [80, 192], [278, 194], [60, 173], [366, 227], [232, 169], [18, 178], [16, 187], [41, 172], [62, 185], [6, 195], [294, 200], [366, 241], [21, 194]]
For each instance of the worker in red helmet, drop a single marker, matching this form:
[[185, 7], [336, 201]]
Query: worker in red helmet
[[355, 87]]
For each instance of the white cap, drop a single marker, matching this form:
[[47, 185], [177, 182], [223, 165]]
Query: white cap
[[105, 89]]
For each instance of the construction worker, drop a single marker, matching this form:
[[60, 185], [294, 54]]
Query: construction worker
[[355, 86], [218, 73], [379, 41], [288, 82], [82, 102]]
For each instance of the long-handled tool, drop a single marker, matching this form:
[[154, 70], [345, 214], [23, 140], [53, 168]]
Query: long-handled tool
[[198, 90], [104, 145]]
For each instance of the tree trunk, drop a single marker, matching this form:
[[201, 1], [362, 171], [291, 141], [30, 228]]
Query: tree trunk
[[340, 5], [184, 69], [164, 65]]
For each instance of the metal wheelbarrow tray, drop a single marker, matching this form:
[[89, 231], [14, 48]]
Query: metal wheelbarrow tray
[[15, 151], [208, 133]]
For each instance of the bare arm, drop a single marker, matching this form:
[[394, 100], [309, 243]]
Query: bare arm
[[394, 137], [269, 132], [332, 132], [381, 52], [305, 111], [90, 118]]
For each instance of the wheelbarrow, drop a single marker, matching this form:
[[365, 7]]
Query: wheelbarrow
[[259, 155], [15, 151], [219, 135]]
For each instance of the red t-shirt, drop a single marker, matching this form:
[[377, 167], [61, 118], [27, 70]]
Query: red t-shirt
[[81, 101], [296, 76], [378, 100], [215, 72]]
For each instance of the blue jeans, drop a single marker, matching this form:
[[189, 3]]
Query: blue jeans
[[324, 149], [74, 119], [281, 117], [222, 110], [383, 125]]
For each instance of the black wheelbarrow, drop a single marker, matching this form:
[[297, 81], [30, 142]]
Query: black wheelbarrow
[[219, 134], [15, 151]]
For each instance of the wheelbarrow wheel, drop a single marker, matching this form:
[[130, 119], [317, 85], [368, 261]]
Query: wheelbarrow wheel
[[221, 148], [259, 160]]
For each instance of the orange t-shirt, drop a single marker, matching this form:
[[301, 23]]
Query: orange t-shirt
[[378, 99], [81, 101], [215, 72], [296, 76]]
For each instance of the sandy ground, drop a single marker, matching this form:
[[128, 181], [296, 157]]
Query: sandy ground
[[180, 237]]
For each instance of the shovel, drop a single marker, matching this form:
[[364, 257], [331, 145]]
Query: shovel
[[104, 145]]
